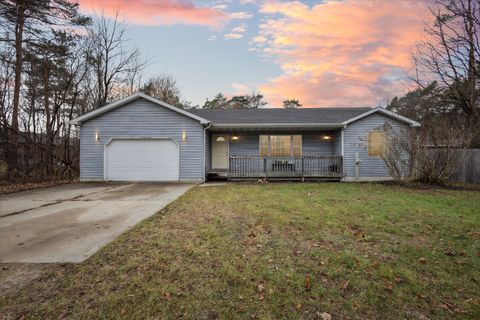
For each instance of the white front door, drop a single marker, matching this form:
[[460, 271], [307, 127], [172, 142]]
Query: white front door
[[220, 151]]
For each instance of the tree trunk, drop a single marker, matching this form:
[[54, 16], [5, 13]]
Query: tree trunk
[[471, 78], [13, 143]]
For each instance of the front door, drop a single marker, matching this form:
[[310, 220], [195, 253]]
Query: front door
[[220, 151]]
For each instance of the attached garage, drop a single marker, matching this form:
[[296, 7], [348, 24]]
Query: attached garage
[[140, 138], [141, 159]]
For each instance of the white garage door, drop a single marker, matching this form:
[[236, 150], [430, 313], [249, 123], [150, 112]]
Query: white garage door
[[141, 160]]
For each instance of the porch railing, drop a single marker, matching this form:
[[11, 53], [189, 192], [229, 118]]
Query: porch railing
[[254, 167]]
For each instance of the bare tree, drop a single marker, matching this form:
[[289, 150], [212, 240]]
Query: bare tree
[[163, 87], [64, 71], [28, 21], [430, 153], [115, 65], [451, 55]]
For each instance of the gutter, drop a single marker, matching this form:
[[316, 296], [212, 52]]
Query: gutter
[[204, 150], [278, 125]]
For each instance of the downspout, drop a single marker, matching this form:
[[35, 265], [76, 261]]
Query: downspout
[[204, 151], [357, 166], [343, 151]]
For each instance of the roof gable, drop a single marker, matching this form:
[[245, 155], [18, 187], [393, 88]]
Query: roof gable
[[385, 112], [133, 97]]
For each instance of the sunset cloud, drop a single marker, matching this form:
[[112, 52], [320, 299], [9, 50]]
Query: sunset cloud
[[240, 15], [233, 36], [236, 33], [339, 53], [164, 12]]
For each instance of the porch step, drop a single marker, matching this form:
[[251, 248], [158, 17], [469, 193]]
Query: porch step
[[217, 175]]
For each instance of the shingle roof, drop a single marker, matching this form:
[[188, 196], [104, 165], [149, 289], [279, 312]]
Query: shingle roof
[[279, 116]]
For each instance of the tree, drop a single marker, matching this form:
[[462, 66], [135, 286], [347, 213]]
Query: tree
[[30, 21], [239, 102], [116, 67], [429, 154], [256, 100], [423, 103], [54, 72], [218, 102], [451, 56], [253, 101], [164, 88], [291, 104]]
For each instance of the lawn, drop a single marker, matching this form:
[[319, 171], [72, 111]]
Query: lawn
[[277, 251]]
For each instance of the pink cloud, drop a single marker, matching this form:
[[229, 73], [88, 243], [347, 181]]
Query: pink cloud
[[340, 53], [164, 12]]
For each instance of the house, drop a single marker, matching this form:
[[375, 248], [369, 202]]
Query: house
[[140, 138]]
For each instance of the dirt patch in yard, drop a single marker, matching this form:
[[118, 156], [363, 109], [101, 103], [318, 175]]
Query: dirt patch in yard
[[15, 276], [434, 187], [6, 188]]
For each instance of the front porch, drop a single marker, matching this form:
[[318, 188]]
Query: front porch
[[328, 167], [311, 155]]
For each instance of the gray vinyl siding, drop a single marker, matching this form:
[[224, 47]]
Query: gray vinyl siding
[[248, 144], [141, 118], [313, 144], [337, 142], [356, 139]]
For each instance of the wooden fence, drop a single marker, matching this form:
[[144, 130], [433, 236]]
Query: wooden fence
[[469, 168]]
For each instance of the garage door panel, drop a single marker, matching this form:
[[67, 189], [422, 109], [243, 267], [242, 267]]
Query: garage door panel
[[142, 160]]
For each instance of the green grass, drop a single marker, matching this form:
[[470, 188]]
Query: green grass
[[280, 251]]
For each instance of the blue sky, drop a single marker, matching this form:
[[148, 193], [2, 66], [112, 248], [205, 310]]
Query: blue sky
[[324, 53]]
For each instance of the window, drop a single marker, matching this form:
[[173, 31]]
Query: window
[[281, 145], [263, 146], [376, 143]]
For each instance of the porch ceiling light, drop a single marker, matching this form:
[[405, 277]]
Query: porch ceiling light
[[235, 138], [327, 137]]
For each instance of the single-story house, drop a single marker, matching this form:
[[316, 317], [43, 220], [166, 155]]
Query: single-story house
[[140, 138]]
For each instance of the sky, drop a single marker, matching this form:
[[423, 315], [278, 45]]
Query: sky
[[325, 53]]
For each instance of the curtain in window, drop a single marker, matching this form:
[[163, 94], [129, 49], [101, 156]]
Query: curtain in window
[[281, 145]]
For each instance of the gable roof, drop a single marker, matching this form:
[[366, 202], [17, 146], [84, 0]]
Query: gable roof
[[314, 117], [266, 117], [131, 98], [279, 116]]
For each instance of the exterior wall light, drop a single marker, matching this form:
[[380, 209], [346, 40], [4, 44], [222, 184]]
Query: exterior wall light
[[184, 136], [97, 136]]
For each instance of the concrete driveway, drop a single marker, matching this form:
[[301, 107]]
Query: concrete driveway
[[69, 223]]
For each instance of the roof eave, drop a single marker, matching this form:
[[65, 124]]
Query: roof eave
[[396, 116], [138, 95], [218, 126]]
